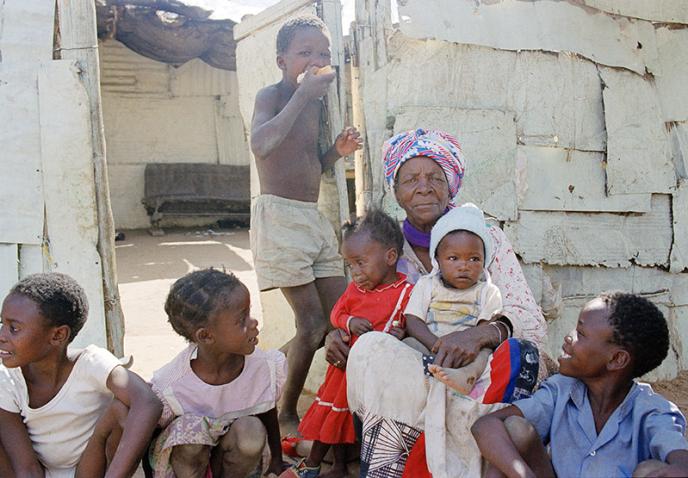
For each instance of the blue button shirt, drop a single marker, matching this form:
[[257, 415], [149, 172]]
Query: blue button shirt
[[644, 426]]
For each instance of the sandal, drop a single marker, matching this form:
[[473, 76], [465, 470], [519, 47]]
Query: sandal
[[300, 470]]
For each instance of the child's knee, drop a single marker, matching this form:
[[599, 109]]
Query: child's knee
[[193, 456], [112, 418], [648, 468], [521, 432], [250, 436]]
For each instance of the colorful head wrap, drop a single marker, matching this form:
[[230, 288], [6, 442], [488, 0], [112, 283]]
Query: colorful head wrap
[[437, 145]]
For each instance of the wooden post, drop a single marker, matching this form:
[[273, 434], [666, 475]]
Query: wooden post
[[331, 14], [79, 41]]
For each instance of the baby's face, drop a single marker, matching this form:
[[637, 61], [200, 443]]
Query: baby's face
[[369, 261], [461, 258]]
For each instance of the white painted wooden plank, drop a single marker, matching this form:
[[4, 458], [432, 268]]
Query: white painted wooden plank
[[31, 260], [229, 130], [268, 17], [681, 325], [670, 11], [602, 239], [638, 146], [516, 25], [671, 76], [679, 250], [70, 203], [488, 139], [567, 180], [558, 101], [679, 147], [21, 189], [679, 289], [26, 31], [9, 268]]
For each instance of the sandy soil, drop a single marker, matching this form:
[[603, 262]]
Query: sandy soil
[[675, 390]]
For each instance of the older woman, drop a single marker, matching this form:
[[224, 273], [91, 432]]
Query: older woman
[[388, 388]]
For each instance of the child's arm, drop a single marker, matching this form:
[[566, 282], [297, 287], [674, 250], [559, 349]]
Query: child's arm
[[348, 141], [144, 412], [271, 425], [269, 127], [419, 330], [496, 446], [17, 444], [678, 464]]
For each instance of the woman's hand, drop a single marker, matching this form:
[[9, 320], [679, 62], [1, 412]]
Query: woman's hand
[[458, 349], [337, 348], [359, 326], [398, 332]]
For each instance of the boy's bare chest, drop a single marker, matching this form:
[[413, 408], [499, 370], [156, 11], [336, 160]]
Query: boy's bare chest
[[306, 127]]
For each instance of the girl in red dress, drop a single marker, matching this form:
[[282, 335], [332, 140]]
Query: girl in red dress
[[375, 300]]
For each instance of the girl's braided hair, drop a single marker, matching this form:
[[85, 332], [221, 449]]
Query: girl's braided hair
[[195, 297]]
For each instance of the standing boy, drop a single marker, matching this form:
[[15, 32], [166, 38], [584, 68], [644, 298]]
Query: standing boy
[[597, 420], [294, 246]]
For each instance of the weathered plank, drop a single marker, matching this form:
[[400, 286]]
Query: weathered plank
[[21, 183], [671, 75], [70, 203], [229, 132], [9, 268], [670, 11], [26, 31], [636, 135], [602, 239], [31, 260], [515, 25], [488, 139], [679, 249], [558, 101], [567, 180], [679, 147], [267, 18]]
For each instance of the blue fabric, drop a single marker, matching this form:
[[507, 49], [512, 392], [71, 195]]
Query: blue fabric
[[645, 426]]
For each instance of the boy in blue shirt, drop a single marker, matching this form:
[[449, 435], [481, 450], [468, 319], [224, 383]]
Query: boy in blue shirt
[[597, 420]]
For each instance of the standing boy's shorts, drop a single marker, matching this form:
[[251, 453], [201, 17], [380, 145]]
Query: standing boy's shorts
[[292, 243]]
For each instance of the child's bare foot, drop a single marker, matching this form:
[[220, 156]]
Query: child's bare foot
[[455, 378], [289, 423]]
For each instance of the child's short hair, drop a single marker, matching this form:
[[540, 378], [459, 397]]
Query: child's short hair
[[381, 227], [60, 299], [194, 297], [640, 327], [288, 30]]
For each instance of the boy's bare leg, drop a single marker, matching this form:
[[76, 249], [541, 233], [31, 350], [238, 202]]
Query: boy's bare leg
[[103, 443], [529, 445], [5, 464], [312, 323], [339, 468], [190, 461], [240, 449], [462, 379]]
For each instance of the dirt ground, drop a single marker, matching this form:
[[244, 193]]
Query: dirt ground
[[148, 265]]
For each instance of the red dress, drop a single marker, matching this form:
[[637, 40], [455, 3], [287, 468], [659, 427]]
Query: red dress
[[328, 420]]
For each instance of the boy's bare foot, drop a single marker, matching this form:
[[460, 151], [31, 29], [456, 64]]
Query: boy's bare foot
[[459, 379], [289, 423]]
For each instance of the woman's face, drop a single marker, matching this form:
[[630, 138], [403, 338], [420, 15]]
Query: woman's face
[[422, 191]]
